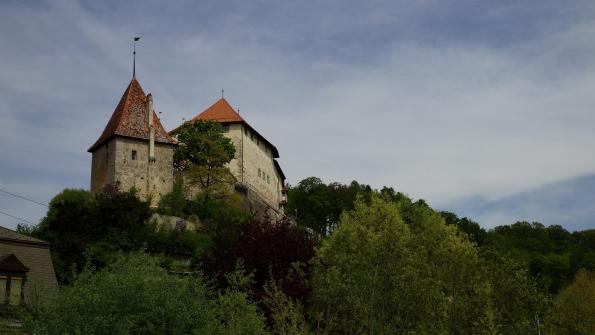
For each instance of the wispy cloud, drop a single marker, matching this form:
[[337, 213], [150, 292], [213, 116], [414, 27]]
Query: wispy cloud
[[443, 100]]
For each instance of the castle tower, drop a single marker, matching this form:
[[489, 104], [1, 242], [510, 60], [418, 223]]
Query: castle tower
[[255, 163], [134, 150]]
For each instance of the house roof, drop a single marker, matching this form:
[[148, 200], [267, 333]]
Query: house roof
[[11, 235], [129, 119], [10, 262], [278, 167], [22, 253], [222, 112]]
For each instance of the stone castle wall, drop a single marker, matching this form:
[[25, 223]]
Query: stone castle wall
[[102, 166], [253, 164], [116, 165]]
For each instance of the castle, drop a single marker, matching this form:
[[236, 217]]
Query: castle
[[135, 151]]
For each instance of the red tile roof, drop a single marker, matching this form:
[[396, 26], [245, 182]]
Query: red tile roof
[[129, 119], [221, 111]]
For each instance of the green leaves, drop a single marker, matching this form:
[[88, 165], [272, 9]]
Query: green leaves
[[202, 143], [573, 311], [377, 274], [135, 296]]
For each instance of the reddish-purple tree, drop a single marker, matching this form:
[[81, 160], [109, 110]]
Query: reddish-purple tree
[[271, 251]]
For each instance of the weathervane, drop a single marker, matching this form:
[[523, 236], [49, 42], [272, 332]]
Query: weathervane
[[134, 56]]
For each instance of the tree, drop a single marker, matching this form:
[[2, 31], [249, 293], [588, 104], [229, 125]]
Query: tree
[[472, 229], [318, 206], [573, 311], [278, 251], [81, 227], [515, 298], [376, 274], [202, 153], [135, 296]]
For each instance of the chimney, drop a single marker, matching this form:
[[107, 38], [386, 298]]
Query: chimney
[[151, 128]]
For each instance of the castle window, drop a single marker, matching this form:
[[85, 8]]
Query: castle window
[[225, 128], [133, 155], [268, 179], [258, 172]]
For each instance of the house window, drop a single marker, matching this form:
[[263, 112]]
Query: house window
[[133, 155], [225, 128], [16, 283], [3, 282], [12, 280]]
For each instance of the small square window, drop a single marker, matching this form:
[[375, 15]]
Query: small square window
[[133, 155], [225, 128]]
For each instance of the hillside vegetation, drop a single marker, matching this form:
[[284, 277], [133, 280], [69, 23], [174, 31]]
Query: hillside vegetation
[[348, 259]]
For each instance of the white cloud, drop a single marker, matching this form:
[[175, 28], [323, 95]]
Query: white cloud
[[437, 120]]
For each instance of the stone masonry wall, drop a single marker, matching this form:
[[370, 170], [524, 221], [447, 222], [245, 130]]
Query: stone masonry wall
[[103, 166], [259, 171], [154, 178]]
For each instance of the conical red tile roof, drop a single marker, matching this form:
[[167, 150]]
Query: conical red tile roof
[[129, 119]]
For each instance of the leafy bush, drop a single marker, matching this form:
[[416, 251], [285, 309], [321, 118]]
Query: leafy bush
[[136, 296]]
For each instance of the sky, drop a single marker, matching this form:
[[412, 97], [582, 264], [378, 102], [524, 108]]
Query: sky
[[483, 108]]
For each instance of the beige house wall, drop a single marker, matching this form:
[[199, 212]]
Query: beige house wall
[[41, 279]]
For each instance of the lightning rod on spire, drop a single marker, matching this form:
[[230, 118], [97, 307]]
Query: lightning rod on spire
[[134, 40]]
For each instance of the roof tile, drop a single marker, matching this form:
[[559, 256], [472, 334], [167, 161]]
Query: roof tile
[[129, 119]]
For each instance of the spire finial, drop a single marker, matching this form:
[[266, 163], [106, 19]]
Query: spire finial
[[134, 56], [222, 93]]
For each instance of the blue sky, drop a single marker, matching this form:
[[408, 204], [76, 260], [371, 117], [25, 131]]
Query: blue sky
[[480, 107]]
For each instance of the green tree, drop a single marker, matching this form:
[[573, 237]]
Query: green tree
[[175, 202], [515, 299], [80, 226], [135, 296], [472, 229], [202, 153], [573, 311], [318, 206], [376, 274]]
